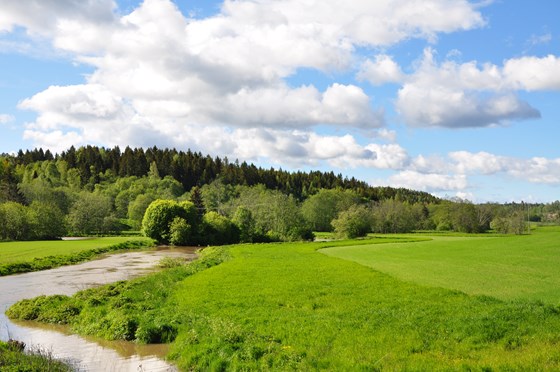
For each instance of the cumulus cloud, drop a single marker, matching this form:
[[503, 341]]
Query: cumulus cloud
[[535, 170], [533, 73], [44, 16], [432, 182], [459, 165], [457, 95], [383, 70], [218, 82]]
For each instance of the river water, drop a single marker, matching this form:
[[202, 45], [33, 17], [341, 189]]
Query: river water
[[85, 353]]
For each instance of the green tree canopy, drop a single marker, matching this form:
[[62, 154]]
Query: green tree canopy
[[88, 213], [353, 223], [320, 209], [160, 214]]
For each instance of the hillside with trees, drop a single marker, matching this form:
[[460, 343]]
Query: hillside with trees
[[100, 191]]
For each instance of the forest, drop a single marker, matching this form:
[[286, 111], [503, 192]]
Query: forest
[[187, 198]]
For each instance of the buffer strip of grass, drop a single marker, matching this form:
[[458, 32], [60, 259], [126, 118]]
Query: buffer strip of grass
[[286, 306], [21, 257], [505, 267]]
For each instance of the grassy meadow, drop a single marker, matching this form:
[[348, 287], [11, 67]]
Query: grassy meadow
[[24, 256], [288, 306], [506, 267]]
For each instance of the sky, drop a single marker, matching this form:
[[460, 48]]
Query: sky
[[457, 98]]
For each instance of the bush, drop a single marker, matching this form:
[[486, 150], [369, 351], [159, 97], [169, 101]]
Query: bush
[[180, 232], [352, 223], [218, 230], [161, 214]]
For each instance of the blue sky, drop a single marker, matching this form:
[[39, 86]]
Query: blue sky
[[457, 98]]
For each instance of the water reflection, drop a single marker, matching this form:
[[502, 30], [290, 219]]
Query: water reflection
[[87, 353]]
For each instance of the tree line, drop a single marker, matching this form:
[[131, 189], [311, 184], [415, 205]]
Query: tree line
[[90, 191], [92, 164]]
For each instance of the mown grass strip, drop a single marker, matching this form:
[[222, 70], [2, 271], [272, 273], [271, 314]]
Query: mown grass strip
[[506, 267], [77, 253]]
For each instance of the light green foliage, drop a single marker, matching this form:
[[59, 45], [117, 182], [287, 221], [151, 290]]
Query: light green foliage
[[17, 222], [243, 219], [137, 208], [218, 230], [158, 218], [353, 223], [160, 215], [88, 213], [277, 216], [180, 232], [49, 220], [390, 216], [514, 222], [320, 209], [216, 195], [461, 216]]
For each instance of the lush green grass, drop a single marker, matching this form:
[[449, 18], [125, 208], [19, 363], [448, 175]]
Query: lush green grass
[[12, 359], [505, 267], [286, 306], [28, 250], [18, 257]]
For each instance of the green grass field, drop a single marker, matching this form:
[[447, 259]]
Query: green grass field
[[507, 267], [287, 306], [21, 257], [29, 250]]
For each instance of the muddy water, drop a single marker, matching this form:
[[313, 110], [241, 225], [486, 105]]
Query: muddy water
[[87, 354]]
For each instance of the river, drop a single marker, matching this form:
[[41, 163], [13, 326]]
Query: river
[[85, 353]]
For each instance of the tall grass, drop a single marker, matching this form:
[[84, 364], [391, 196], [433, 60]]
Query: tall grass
[[14, 359]]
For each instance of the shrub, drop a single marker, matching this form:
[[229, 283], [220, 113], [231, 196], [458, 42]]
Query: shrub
[[353, 223], [218, 230], [160, 215]]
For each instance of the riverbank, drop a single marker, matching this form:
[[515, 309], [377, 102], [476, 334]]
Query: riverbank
[[287, 306], [13, 357], [91, 354], [22, 257]]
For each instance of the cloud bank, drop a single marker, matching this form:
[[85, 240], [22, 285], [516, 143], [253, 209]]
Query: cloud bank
[[221, 84]]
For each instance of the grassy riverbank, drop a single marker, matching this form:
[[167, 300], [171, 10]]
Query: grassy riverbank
[[287, 306], [19, 257], [13, 358]]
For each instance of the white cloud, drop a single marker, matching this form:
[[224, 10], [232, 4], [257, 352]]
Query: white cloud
[[533, 73], [303, 106], [5, 118], [456, 95], [56, 140], [429, 181], [482, 162], [386, 134], [534, 170], [383, 70], [43, 16]]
